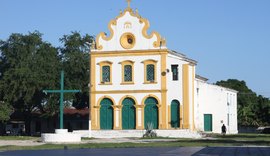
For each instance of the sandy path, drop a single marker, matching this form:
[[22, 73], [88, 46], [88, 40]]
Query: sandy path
[[20, 142]]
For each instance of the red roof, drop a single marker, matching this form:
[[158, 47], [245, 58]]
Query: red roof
[[82, 112]]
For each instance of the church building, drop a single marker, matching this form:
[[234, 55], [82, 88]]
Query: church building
[[137, 82]]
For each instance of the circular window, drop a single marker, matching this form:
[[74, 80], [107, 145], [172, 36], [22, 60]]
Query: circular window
[[127, 40]]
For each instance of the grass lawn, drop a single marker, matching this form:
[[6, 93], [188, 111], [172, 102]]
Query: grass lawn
[[18, 138], [213, 140]]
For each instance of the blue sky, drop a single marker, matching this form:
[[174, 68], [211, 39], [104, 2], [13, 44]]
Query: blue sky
[[228, 38]]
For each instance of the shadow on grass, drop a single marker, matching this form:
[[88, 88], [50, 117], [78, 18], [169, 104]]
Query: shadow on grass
[[233, 151], [248, 136], [227, 142]]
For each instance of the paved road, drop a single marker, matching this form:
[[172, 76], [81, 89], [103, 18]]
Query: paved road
[[170, 151]]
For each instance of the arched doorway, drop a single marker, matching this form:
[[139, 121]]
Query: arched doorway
[[106, 114], [151, 113], [128, 114], [175, 114]]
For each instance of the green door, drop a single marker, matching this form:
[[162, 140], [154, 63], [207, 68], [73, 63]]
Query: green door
[[128, 114], [106, 114], [208, 122], [151, 113], [175, 114]]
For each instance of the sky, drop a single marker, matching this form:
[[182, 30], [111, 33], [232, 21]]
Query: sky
[[230, 39]]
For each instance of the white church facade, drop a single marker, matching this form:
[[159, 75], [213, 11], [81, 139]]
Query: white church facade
[[136, 81]]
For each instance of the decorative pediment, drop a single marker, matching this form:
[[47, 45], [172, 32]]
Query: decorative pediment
[[128, 31]]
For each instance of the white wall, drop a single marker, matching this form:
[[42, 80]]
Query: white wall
[[175, 88], [218, 101]]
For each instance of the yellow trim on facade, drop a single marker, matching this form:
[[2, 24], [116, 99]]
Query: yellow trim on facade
[[128, 96], [150, 62], [129, 53], [164, 113], [116, 110], [142, 118], [128, 40], [92, 90], [181, 116], [153, 96], [128, 91], [105, 63], [160, 41], [159, 110], [193, 95], [186, 82], [121, 104], [139, 108], [124, 63], [98, 108], [169, 117], [104, 36]]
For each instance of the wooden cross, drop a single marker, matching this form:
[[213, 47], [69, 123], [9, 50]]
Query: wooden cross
[[61, 91], [128, 1]]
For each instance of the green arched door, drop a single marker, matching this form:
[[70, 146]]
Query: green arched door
[[151, 113], [175, 114], [128, 114], [106, 114]]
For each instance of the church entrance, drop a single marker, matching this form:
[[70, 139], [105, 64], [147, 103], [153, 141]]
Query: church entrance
[[106, 114], [175, 114], [151, 113], [128, 114]]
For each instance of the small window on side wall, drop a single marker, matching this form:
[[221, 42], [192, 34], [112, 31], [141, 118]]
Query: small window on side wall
[[175, 72]]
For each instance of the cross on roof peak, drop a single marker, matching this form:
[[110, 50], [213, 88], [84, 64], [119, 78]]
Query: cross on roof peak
[[128, 1]]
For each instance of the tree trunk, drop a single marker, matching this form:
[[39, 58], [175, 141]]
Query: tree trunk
[[28, 119]]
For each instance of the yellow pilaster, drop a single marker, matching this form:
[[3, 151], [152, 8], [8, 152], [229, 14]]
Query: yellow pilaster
[[181, 117], [169, 117], [142, 119], [92, 100], [164, 123], [139, 118], [193, 95], [186, 88], [117, 117]]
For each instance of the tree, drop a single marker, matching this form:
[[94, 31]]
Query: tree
[[5, 112], [75, 59], [30, 66], [252, 110]]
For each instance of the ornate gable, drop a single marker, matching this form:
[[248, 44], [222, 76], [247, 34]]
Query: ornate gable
[[128, 31]]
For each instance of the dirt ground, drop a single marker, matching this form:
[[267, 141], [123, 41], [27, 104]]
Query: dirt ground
[[37, 142]]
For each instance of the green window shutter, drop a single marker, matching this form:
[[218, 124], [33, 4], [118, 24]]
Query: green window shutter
[[150, 72], [128, 73], [106, 73], [175, 114]]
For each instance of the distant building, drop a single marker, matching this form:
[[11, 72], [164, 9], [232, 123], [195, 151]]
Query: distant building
[[214, 107], [136, 81]]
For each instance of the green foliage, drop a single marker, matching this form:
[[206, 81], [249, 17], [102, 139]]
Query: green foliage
[[31, 65], [75, 59], [252, 110], [5, 111]]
